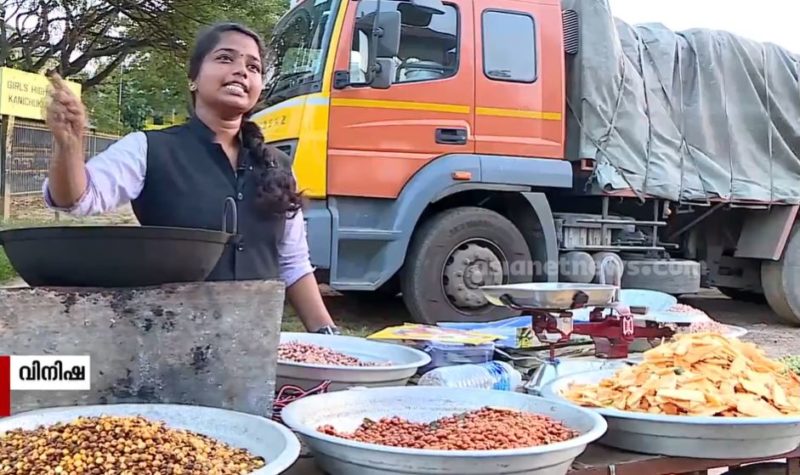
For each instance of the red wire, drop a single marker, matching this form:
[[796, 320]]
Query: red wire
[[290, 393]]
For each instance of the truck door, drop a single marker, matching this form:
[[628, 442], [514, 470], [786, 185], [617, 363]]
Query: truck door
[[392, 133], [519, 98]]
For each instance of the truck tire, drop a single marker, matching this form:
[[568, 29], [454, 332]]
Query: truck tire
[[781, 280], [454, 253]]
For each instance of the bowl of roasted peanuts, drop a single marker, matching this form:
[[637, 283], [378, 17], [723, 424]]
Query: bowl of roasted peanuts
[[440, 430], [307, 360]]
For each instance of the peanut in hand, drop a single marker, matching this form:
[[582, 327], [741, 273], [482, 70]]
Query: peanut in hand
[[65, 114]]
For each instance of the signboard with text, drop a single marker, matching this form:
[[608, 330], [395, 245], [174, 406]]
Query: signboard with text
[[24, 94], [41, 373]]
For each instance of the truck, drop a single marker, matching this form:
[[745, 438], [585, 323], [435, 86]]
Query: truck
[[446, 145]]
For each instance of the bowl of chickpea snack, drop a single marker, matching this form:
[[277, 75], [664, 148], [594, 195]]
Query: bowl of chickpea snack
[[144, 439]]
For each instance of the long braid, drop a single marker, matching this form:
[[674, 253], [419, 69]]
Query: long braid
[[277, 189]]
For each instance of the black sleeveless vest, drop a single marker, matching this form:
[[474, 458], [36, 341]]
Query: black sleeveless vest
[[187, 182]]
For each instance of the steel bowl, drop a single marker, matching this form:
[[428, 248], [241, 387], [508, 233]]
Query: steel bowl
[[346, 410], [547, 295], [403, 363], [549, 371], [262, 437], [687, 436], [641, 345]]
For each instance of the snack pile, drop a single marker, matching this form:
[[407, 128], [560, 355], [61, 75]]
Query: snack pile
[[792, 362], [705, 325], [484, 429], [702, 374], [314, 354], [119, 446]]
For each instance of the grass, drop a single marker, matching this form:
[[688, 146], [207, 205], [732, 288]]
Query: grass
[[6, 271], [353, 316]]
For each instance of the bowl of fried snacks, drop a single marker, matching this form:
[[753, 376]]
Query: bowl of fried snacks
[[701, 395]]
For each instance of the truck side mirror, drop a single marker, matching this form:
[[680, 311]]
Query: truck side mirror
[[387, 31], [382, 74], [385, 45]]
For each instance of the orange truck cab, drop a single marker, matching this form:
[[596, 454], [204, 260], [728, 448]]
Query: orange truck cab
[[429, 138]]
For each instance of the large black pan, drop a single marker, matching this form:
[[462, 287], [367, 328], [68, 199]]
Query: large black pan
[[113, 256]]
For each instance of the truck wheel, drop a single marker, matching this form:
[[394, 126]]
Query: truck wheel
[[452, 255], [781, 280]]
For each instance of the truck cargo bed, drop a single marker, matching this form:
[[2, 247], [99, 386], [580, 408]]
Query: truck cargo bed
[[690, 115]]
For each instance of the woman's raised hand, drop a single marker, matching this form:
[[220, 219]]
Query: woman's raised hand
[[66, 115]]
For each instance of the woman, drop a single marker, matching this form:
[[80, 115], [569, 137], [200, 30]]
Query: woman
[[181, 176]]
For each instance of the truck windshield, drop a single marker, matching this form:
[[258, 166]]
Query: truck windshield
[[297, 50]]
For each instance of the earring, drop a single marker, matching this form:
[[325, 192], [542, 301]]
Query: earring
[[192, 87]]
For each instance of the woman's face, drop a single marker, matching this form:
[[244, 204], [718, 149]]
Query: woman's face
[[230, 79]]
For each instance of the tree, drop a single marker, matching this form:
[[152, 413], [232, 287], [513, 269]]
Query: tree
[[91, 38], [150, 84], [152, 81]]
